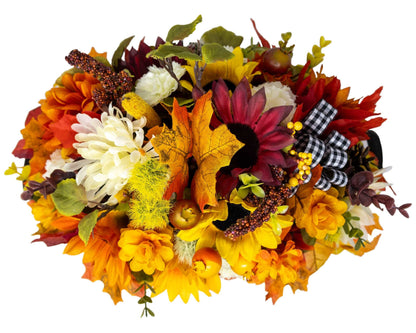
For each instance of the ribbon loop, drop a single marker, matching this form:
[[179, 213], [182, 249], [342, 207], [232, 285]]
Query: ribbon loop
[[319, 118], [334, 158], [337, 140]]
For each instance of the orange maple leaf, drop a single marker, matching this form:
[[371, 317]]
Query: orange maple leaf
[[174, 147], [212, 150]]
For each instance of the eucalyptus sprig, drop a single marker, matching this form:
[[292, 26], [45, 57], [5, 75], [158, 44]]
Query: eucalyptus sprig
[[144, 281], [354, 232]]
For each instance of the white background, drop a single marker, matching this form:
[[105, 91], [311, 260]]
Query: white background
[[373, 45]]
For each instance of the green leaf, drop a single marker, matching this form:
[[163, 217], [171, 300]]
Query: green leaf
[[118, 53], [168, 50], [306, 238], [286, 36], [323, 42], [11, 170], [179, 32], [221, 36], [150, 312], [243, 192], [69, 198], [25, 173], [212, 52], [141, 276], [86, 225], [245, 178], [181, 101], [258, 191]]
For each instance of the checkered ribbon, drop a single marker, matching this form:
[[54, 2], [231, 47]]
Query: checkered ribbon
[[331, 152]]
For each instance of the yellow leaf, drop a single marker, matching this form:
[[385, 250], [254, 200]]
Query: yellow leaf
[[174, 148], [212, 150]]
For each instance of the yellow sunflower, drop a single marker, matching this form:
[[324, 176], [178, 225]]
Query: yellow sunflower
[[248, 246], [179, 278], [232, 70]]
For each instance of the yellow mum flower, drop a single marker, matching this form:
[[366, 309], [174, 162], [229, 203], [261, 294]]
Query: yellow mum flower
[[322, 214], [44, 211], [179, 278], [232, 70], [146, 250]]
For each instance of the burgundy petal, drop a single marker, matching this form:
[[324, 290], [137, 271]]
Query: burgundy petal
[[221, 101], [239, 101], [270, 119], [262, 171], [255, 107], [277, 140]]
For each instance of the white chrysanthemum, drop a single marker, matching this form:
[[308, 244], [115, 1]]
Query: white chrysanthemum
[[110, 148], [277, 94], [55, 162], [158, 84]]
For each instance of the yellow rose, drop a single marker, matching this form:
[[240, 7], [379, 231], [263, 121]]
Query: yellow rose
[[322, 214]]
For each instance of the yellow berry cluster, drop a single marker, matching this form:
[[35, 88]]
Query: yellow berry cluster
[[297, 126], [303, 170]]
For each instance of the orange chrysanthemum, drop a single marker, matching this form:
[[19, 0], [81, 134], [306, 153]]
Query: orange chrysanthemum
[[277, 270], [73, 95], [145, 250], [284, 266], [101, 256]]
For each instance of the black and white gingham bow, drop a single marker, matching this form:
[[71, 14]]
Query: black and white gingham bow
[[331, 152]]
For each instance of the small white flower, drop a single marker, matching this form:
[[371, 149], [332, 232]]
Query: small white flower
[[110, 148], [158, 84], [278, 94], [55, 162], [366, 218]]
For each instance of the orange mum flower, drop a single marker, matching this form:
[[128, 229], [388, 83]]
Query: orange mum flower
[[146, 250], [101, 256], [282, 266], [73, 95]]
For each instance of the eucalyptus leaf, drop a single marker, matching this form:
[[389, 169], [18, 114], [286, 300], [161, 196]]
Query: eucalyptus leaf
[[212, 52], [168, 50], [118, 53], [221, 36], [179, 32], [69, 198], [86, 225]]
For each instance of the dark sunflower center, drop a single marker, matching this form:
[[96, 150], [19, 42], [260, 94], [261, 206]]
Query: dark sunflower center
[[235, 212], [246, 157]]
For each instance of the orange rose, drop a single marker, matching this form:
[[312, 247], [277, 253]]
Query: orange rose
[[322, 214]]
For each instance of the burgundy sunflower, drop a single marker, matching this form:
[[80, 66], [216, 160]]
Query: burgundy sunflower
[[260, 131]]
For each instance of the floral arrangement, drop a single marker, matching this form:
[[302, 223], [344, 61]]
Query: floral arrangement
[[177, 165]]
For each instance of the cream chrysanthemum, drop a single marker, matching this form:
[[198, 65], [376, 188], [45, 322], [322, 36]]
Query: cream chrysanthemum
[[110, 148], [277, 94], [158, 84]]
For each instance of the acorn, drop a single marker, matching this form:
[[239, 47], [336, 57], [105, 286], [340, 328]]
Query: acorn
[[276, 61]]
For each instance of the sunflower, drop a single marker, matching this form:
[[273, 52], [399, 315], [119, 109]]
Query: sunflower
[[179, 278], [258, 129], [232, 70], [207, 234]]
